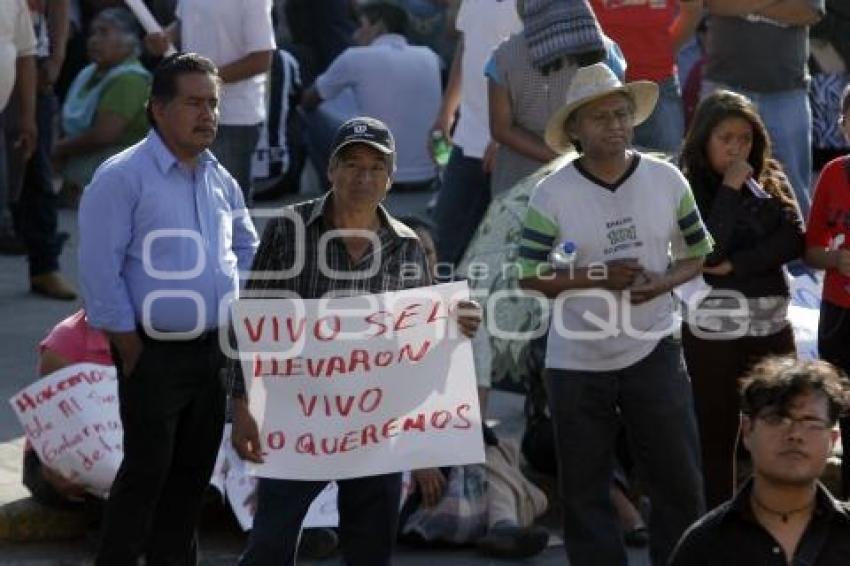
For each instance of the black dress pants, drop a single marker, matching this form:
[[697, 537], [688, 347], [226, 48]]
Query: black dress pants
[[172, 409]]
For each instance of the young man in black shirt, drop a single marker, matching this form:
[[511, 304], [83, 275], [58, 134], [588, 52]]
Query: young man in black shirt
[[783, 515]]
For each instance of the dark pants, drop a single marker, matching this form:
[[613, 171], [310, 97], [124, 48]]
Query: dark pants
[[34, 210], [653, 399], [368, 520], [716, 367], [463, 199], [172, 408], [834, 347]]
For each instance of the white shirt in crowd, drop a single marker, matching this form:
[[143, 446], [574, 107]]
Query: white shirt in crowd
[[399, 84], [225, 31], [16, 40], [484, 24], [596, 330]]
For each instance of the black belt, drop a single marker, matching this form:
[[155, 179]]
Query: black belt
[[166, 337]]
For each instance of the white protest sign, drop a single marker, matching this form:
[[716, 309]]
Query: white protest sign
[[147, 21], [71, 419], [358, 386]]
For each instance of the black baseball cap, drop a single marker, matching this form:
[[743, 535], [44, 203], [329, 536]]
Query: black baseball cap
[[364, 129]]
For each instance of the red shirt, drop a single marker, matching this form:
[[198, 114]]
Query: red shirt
[[642, 30], [830, 219]]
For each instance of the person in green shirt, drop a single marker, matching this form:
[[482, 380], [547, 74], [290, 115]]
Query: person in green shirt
[[104, 111]]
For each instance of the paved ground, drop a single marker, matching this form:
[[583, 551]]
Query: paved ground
[[26, 318]]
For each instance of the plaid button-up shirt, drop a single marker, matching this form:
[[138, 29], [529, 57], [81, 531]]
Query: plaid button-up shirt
[[300, 254]]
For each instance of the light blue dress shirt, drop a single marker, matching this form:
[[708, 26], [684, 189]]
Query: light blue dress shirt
[[160, 244]]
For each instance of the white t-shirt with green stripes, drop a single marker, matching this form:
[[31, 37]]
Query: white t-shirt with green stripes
[[649, 215]]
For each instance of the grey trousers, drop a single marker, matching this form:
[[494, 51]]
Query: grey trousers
[[653, 400]]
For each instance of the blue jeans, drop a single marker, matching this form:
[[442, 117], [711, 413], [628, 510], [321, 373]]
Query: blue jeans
[[368, 520], [788, 118], [665, 127], [461, 204], [234, 148], [652, 399]]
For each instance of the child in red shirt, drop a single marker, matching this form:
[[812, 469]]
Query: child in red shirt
[[828, 247]]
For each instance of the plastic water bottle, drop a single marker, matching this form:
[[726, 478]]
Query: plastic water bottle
[[563, 256], [440, 147]]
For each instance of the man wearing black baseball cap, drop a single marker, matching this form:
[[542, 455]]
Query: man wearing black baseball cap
[[360, 170], [367, 131]]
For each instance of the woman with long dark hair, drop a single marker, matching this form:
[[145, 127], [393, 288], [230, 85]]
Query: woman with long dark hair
[[750, 210]]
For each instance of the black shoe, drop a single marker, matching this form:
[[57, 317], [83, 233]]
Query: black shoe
[[318, 543], [513, 542]]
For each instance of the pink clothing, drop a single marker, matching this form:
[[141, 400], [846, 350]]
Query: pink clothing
[[77, 342]]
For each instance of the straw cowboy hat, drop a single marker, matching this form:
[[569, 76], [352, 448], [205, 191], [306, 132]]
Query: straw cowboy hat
[[592, 83]]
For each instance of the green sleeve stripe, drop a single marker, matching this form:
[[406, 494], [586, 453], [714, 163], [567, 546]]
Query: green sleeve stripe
[[534, 246], [539, 233], [695, 237], [541, 224], [531, 235], [532, 254], [689, 220], [700, 249], [693, 229], [687, 205]]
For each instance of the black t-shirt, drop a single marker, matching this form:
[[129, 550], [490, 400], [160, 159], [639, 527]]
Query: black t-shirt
[[731, 536]]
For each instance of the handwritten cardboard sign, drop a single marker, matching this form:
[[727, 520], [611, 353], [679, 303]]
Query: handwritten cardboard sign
[[358, 386], [71, 419]]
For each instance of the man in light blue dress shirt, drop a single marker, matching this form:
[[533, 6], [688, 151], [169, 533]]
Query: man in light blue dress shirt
[[163, 234]]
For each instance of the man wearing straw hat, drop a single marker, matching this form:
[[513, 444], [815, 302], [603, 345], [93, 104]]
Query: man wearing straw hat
[[610, 354]]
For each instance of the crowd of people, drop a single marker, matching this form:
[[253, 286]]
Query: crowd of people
[[687, 131]]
